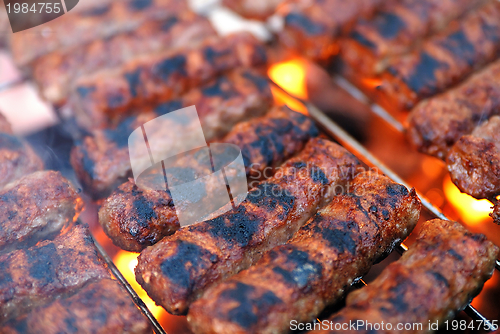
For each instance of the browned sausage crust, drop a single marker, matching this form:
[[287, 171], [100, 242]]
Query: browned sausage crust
[[438, 276], [474, 161], [299, 279], [443, 60], [36, 207], [55, 71], [136, 217], [156, 78], [101, 307], [101, 161], [179, 268], [17, 159], [267, 141], [395, 30], [35, 276], [253, 9], [311, 27], [436, 124], [88, 24], [496, 213]]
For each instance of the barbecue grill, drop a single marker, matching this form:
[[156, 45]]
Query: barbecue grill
[[331, 129]]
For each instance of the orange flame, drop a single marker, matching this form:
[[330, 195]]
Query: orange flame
[[291, 76], [471, 210], [371, 82], [126, 263]]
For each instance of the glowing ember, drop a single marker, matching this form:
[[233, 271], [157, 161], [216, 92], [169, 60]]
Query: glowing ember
[[471, 210], [291, 76], [371, 82], [126, 262], [281, 98]]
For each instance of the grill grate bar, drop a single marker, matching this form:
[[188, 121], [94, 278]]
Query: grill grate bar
[[356, 148], [375, 108], [137, 300]]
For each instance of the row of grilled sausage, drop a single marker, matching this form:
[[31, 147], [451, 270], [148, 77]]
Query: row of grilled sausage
[[52, 279]]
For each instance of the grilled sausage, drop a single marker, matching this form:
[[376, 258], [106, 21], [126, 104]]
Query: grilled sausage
[[267, 141], [36, 207], [100, 307], [395, 30], [136, 217], [102, 162], [55, 71], [299, 279], [437, 277], [253, 9], [474, 161], [92, 23], [443, 60], [156, 78], [436, 124], [35, 276], [496, 214], [179, 268], [310, 28], [17, 159]]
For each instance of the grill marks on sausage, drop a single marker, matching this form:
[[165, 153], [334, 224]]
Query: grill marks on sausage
[[302, 22], [159, 77], [362, 39], [311, 271], [312, 28], [259, 81], [101, 160], [188, 259], [219, 89], [389, 24], [444, 59], [171, 66], [140, 4], [437, 124], [44, 262], [341, 239], [304, 268], [265, 142], [423, 78], [267, 217], [133, 79], [166, 107], [250, 308], [458, 44], [39, 274], [394, 32], [96, 11], [239, 226], [427, 283]]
